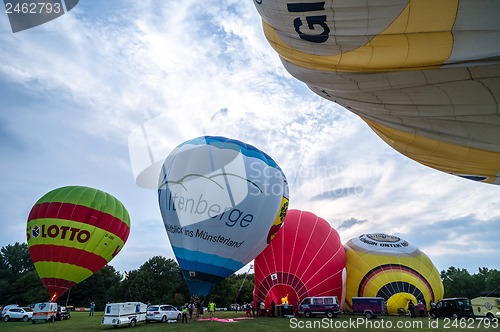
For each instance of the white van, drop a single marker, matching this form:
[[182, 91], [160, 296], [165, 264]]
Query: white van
[[486, 306], [126, 313], [319, 305], [44, 311]]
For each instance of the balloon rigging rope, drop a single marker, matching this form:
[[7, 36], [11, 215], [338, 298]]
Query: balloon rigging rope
[[313, 129]]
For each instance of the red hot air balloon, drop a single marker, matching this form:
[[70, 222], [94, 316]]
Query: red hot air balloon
[[72, 233], [306, 258]]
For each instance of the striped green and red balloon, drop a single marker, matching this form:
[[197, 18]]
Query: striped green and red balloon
[[72, 233]]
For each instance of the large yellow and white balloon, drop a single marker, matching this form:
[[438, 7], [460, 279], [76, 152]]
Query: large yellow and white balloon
[[387, 266], [423, 74]]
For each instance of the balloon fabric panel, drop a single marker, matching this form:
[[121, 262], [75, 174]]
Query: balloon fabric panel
[[424, 75], [221, 201], [72, 233], [305, 258]]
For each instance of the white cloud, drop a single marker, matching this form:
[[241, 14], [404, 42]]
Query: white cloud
[[77, 87]]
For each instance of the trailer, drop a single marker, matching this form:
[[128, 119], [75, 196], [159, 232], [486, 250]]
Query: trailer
[[126, 313], [370, 307], [44, 311], [486, 306]]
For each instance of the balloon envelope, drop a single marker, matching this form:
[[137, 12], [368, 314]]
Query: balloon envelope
[[72, 233], [222, 201], [306, 258], [423, 74], [387, 266]]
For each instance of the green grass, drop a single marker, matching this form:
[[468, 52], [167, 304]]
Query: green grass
[[81, 321]]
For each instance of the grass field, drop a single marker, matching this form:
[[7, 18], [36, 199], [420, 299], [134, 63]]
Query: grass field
[[80, 321]]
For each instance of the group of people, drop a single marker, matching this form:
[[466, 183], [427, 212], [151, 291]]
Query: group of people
[[188, 309], [252, 311], [420, 306]]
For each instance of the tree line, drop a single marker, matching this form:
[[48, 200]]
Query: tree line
[[159, 280]]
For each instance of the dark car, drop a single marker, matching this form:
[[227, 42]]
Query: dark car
[[62, 313], [456, 307]]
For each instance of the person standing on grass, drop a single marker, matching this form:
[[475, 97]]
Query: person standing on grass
[[211, 309], [184, 314], [202, 308], [190, 309], [411, 309], [248, 310], [92, 306], [262, 309], [421, 308]]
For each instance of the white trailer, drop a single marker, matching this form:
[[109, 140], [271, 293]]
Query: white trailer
[[486, 306], [44, 311], [126, 313]]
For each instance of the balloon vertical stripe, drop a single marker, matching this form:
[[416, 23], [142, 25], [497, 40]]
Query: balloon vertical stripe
[[305, 258]]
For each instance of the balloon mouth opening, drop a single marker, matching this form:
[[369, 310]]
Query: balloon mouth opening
[[282, 294], [399, 300]]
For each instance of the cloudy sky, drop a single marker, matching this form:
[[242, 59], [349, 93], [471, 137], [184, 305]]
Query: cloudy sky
[[104, 92]]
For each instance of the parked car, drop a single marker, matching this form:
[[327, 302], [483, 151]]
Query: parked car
[[319, 305], [62, 313], [18, 313], [162, 313], [7, 307], [455, 307]]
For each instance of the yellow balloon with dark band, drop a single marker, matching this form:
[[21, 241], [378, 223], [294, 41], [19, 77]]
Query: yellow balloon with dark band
[[381, 265], [72, 233], [423, 74]]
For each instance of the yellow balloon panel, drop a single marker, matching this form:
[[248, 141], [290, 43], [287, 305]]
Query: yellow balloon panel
[[387, 266], [424, 74]]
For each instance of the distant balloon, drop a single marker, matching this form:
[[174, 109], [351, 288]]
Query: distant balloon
[[221, 201], [424, 75], [387, 266], [72, 233], [306, 258]]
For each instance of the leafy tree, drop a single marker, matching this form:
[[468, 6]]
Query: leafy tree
[[159, 280], [19, 283], [456, 282], [16, 258], [226, 292], [487, 281], [459, 282], [99, 288], [27, 289]]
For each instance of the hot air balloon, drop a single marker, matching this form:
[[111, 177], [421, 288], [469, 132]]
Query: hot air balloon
[[72, 233], [221, 201], [387, 266], [424, 75], [306, 258]]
